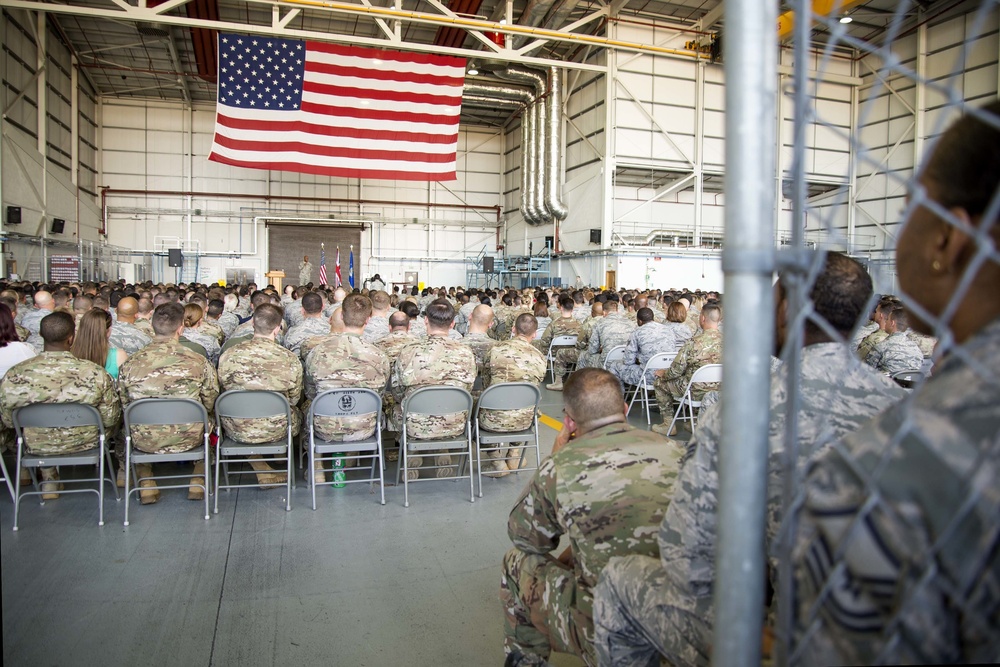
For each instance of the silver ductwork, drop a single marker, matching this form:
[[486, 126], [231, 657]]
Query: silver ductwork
[[532, 146], [553, 149]]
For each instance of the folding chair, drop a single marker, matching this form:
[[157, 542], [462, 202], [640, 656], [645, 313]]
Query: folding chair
[[61, 415], [435, 401], [655, 363], [617, 353], [165, 412], [251, 404], [506, 396], [910, 378], [707, 373], [6, 479], [550, 356], [340, 403]]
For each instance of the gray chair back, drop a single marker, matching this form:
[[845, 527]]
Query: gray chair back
[[251, 404], [438, 401], [352, 402], [165, 411], [57, 415], [510, 396]]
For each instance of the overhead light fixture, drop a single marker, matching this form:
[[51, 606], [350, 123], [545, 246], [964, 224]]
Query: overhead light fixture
[[473, 70], [846, 19]]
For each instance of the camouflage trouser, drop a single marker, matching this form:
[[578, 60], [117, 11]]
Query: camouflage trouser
[[588, 360], [543, 608], [668, 394], [637, 622], [565, 357]]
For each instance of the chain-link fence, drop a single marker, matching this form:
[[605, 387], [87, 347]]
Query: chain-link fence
[[878, 500]]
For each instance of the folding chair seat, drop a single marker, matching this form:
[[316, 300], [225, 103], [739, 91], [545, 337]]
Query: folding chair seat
[[656, 362], [341, 403], [61, 415], [438, 401], [707, 373], [557, 342], [251, 404], [165, 412], [909, 379], [506, 396], [617, 353]]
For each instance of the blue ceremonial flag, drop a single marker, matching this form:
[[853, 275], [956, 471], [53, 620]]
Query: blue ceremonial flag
[[350, 268]]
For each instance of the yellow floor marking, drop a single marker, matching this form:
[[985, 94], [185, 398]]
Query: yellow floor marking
[[550, 422]]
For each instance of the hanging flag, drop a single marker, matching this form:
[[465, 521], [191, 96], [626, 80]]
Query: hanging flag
[[322, 263], [337, 280], [350, 268], [317, 108]]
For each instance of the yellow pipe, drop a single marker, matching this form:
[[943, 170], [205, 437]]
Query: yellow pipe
[[490, 26], [820, 9]]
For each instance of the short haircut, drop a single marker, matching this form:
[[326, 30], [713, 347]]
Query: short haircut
[[266, 318], [259, 297], [216, 308], [357, 309], [57, 327], [840, 293], [644, 315], [399, 320], [593, 392], [167, 318], [900, 317], [610, 306], [312, 302], [440, 313], [676, 312], [83, 303], [712, 312], [380, 300], [565, 303], [526, 324]]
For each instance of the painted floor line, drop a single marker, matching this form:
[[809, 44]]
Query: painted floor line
[[554, 424]]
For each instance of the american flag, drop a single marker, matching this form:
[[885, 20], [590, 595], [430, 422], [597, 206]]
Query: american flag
[[317, 108], [322, 264]]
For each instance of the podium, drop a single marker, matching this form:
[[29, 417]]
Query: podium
[[274, 278]]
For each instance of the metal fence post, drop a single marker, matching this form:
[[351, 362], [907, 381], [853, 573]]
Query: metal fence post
[[748, 263]]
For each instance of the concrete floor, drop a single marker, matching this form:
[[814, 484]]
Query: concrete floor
[[353, 583]]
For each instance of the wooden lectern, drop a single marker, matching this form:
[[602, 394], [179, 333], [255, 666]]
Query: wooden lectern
[[274, 278]]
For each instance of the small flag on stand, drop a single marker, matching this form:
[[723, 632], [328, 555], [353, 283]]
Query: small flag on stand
[[322, 263], [350, 268], [338, 279]]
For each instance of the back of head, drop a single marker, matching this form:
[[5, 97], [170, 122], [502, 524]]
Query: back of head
[[409, 308], [676, 312], [8, 332], [380, 300], [597, 309], [644, 315], [167, 318], [592, 394], [610, 307], [83, 303], [91, 342], [127, 307], [337, 321], [215, 308], [840, 293], [192, 315], [312, 303], [899, 317], [566, 304], [259, 298], [712, 313], [540, 309], [481, 315], [57, 328], [266, 318], [357, 309], [399, 321], [440, 314], [526, 325], [145, 306]]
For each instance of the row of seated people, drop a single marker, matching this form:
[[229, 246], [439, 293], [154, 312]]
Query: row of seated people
[[166, 368]]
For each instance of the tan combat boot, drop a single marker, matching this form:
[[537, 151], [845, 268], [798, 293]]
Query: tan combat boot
[[266, 474], [51, 484], [148, 493], [196, 492]]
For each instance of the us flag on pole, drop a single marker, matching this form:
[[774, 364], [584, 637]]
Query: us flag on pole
[[317, 108], [322, 264]]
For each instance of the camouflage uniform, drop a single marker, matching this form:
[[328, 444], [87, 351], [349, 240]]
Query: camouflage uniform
[[863, 333], [645, 342], [342, 361], [570, 356], [432, 362], [212, 348], [246, 329], [392, 344], [22, 333], [262, 364], [703, 349], [146, 327], [869, 343], [611, 331], [228, 321], [212, 329], [606, 491], [376, 329], [166, 369], [894, 354], [924, 342], [561, 326], [480, 344], [303, 331], [645, 608], [693, 320], [899, 483], [293, 312], [128, 337], [59, 377], [32, 320], [504, 320], [581, 313], [514, 360], [463, 316], [681, 332]]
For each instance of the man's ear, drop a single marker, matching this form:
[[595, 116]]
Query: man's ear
[[953, 246]]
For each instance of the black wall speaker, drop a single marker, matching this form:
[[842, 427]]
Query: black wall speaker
[[174, 257], [58, 225], [488, 265], [13, 215], [550, 242], [595, 236]]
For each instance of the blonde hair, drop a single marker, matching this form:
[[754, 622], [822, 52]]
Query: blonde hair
[[91, 342], [192, 315]]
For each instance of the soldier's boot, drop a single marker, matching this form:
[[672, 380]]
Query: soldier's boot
[[266, 474], [120, 479], [495, 466], [319, 473], [51, 484], [413, 464], [664, 429], [148, 493], [25, 477], [196, 492], [444, 460], [513, 458], [555, 386]]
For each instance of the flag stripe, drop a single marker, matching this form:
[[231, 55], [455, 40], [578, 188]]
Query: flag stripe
[[337, 110], [313, 130], [340, 170], [304, 148]]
